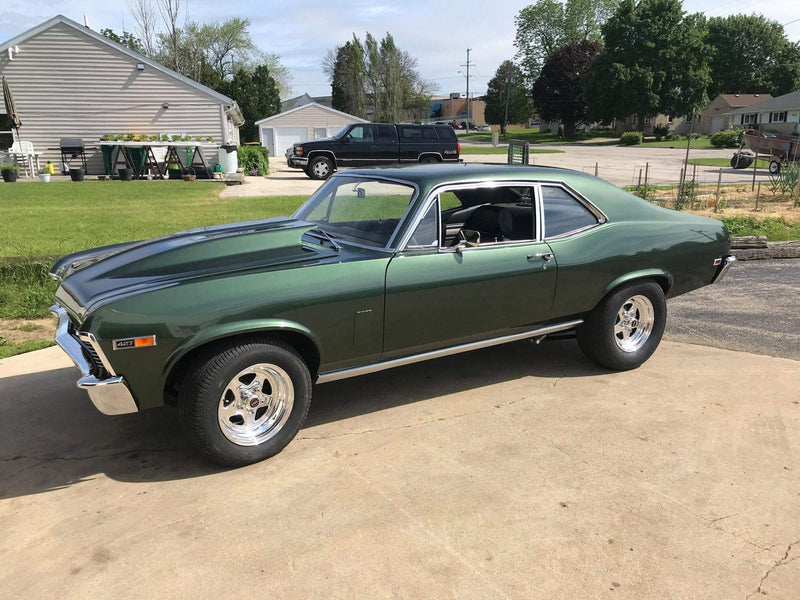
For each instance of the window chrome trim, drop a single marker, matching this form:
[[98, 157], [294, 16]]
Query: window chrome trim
[[446, 187], [415, 358]]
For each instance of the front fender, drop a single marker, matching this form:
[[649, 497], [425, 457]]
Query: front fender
[[225, 330]]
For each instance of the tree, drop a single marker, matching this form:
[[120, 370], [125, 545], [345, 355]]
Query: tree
[[256, 93], [346, 71], [144, 14], [547, 25], [377, 72], [751, 55], [635, 75], [507, 97], [126, 39], [558, 92]]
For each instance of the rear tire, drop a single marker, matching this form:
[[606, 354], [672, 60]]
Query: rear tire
[[320, 167], [624, 330], [244, 401], [426, 160], [774, 167]]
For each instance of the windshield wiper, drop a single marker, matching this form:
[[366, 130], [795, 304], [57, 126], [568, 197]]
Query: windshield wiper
[[324, 234]]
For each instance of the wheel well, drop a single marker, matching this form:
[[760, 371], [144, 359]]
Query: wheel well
[[301, 343], [435, 155], [661, 280], [315, 153]]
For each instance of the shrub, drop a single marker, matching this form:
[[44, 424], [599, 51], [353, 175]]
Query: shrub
[[729, 138], [254, 158], [631, 138], [660, 131]]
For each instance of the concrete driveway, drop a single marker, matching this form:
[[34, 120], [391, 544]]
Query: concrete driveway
[[514, 472]]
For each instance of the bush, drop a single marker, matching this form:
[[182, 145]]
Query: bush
[[729, 138], [631, 138], [660, 131], [254, 159]]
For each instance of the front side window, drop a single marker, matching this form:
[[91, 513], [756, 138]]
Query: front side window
[[361, 133], [563, 213], [365, 211]]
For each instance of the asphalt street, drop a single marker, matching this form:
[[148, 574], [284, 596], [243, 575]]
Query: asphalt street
[[756, 308]]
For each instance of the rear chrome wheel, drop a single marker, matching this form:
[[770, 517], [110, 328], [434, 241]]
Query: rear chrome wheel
[[634, 323], [625, 328]]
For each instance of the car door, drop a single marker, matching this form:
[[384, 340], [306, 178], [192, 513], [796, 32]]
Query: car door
[[438, 296], [358, 147], [388, 151]]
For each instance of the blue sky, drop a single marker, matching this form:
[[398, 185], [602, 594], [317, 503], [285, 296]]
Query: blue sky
[[436, 32]]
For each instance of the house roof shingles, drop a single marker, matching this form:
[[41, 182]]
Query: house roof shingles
[[790, 101]]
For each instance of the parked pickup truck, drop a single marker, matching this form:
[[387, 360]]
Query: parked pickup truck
[[368, 145]]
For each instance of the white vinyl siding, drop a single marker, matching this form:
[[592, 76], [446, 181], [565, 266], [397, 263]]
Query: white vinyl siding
[[67, 84]]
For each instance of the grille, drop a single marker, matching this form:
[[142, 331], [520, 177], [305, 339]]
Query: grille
[[94, 360]]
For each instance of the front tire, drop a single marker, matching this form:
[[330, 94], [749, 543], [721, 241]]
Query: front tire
[[624, 330], [242, 402], [320, 167]]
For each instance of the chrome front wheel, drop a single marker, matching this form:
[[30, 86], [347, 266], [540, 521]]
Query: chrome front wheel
[[634, 323], [256, 404]]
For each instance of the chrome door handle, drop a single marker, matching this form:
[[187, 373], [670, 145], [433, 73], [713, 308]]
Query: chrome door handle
[[546, 256]]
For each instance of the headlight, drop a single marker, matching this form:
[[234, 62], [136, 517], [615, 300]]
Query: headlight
[[298, 150]]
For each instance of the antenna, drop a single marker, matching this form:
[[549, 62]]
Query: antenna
[[86, 21]]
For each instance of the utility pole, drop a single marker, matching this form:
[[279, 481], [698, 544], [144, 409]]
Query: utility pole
[[468, 65], [509, 81]]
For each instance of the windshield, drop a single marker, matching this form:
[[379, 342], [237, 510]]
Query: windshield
[[340, 134], [366, 211]]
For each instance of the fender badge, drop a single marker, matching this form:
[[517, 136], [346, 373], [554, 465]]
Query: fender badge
[[137, 342]]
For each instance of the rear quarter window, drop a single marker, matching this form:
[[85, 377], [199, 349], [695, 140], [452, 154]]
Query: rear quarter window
[[563, 213], [409, 132], [446, 133], [429, 133]]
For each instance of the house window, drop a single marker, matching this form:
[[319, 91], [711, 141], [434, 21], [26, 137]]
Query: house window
[[749, 119], [777, 117]]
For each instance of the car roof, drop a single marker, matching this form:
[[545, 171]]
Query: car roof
[[432, 174]]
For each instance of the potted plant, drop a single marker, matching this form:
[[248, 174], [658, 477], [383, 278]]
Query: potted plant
[[76, 173], [125, 174], [9, 173], [44, 175]]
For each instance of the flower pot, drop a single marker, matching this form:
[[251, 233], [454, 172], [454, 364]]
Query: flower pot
[[10, 176], [44, 177], [125, 175], [174, 173], [76, 174]]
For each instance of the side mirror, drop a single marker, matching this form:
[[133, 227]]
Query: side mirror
[[346, 140]]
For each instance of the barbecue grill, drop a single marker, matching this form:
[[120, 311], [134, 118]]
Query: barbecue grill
[[72, 148]]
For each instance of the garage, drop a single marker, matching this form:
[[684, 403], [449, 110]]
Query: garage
[[307, 122]]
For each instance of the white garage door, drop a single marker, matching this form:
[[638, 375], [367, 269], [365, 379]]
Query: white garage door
[[285, 137]]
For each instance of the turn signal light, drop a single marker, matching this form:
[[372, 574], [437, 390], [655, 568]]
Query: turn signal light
[[143, 342]]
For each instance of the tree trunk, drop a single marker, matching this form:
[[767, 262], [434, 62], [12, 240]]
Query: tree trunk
[[569, 128]]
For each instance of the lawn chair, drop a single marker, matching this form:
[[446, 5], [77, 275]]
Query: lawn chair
[[25, 157]]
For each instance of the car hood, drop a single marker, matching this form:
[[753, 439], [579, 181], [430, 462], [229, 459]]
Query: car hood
[[98, 275]]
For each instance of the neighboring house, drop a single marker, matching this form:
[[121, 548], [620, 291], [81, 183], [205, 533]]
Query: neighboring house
[[299, 101], [70, 81], [677, 125], [716, 114], [781, 114], [309, 121]]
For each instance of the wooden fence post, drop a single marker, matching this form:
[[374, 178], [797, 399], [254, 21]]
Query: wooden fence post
[[646, 171], [639, 185], [755, 164], [719, 183], [595, 169], [758, 195]]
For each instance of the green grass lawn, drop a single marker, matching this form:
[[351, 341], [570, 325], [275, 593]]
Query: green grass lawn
[[58, 218], [503, 150], [777, 229], [41, 221], [724, 162], [534, 136], [701, 142]]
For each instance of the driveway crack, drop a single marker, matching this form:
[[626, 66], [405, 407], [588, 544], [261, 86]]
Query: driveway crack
[[779, 563]]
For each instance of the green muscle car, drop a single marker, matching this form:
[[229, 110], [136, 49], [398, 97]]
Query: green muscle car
[[379, 268]]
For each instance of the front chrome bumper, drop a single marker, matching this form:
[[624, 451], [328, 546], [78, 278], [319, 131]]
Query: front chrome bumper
[[297, 162], [110, 396], [725, 264]]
